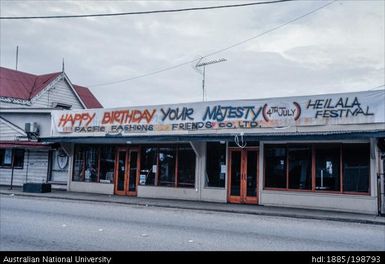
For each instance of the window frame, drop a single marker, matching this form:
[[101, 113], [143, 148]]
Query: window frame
[[13, 152], [100, 151], [340, 166], [310, 146], [177, 179], [369, 172], [81, 148], [279, 145], [175, 146], [226, 163], [313, 189]]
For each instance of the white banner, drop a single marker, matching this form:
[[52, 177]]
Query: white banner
[[224, 116]]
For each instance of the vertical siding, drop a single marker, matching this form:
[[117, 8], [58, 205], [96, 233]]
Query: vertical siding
[[61, 92], [7, 132], [34, 169]]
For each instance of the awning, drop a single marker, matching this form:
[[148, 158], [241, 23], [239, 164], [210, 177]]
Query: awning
[[24, 144], [330, 135]]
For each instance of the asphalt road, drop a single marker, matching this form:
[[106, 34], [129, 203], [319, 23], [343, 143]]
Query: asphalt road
[[48, 224]]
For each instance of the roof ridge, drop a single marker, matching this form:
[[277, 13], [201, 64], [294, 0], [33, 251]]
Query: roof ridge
[[41, 75], [17, 71], [33, 89], [31, 74], [43, 85]]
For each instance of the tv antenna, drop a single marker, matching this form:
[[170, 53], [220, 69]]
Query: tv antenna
[[17, 56], [198, 66]]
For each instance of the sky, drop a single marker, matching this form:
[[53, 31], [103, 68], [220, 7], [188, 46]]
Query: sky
[[339, 48]]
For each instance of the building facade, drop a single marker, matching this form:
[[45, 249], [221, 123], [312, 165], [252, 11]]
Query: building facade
[[26, 102], [321, 151]]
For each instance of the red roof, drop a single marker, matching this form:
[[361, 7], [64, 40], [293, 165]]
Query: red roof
[[23, 144], [25, 86], [87, 97]]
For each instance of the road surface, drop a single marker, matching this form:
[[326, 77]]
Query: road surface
[[49, 224]]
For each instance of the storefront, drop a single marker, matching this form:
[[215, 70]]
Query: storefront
[[308, 151]]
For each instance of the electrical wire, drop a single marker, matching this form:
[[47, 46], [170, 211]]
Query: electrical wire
[[271, 30], [242, 143], [217, 51], [146, 12]]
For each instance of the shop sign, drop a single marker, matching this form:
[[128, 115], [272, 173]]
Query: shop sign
[[226, 116]]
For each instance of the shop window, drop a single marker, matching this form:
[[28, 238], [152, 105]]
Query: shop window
[[167, 165], [275, 166], [107, 163], [186, 166], [356, 168], [78, 170], [6, 156], [167, 159], [328, 167], [148, 165], [93, 163], [299, 167], [215, 164], [355, 160]]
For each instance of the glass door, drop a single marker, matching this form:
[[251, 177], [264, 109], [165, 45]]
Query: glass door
[[120, 171], [133, 172], [235, 176], [251, 175], [243, 176], [126, 171]]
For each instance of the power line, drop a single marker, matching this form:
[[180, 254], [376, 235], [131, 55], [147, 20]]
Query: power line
[[271, 30], [217, 51], [148, 12], [145, 74]]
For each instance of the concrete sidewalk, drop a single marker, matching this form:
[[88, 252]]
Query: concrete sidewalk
[[205, 206]]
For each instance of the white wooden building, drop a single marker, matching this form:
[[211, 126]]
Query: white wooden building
[[26, 102]]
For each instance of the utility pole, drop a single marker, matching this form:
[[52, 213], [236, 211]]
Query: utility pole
[[13, 167], [204, 64]]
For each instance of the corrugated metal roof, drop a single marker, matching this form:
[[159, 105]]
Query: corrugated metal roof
[[87, 97], [22, 85]]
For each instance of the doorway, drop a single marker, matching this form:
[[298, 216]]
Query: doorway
[[243, 176], [126, 171]]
